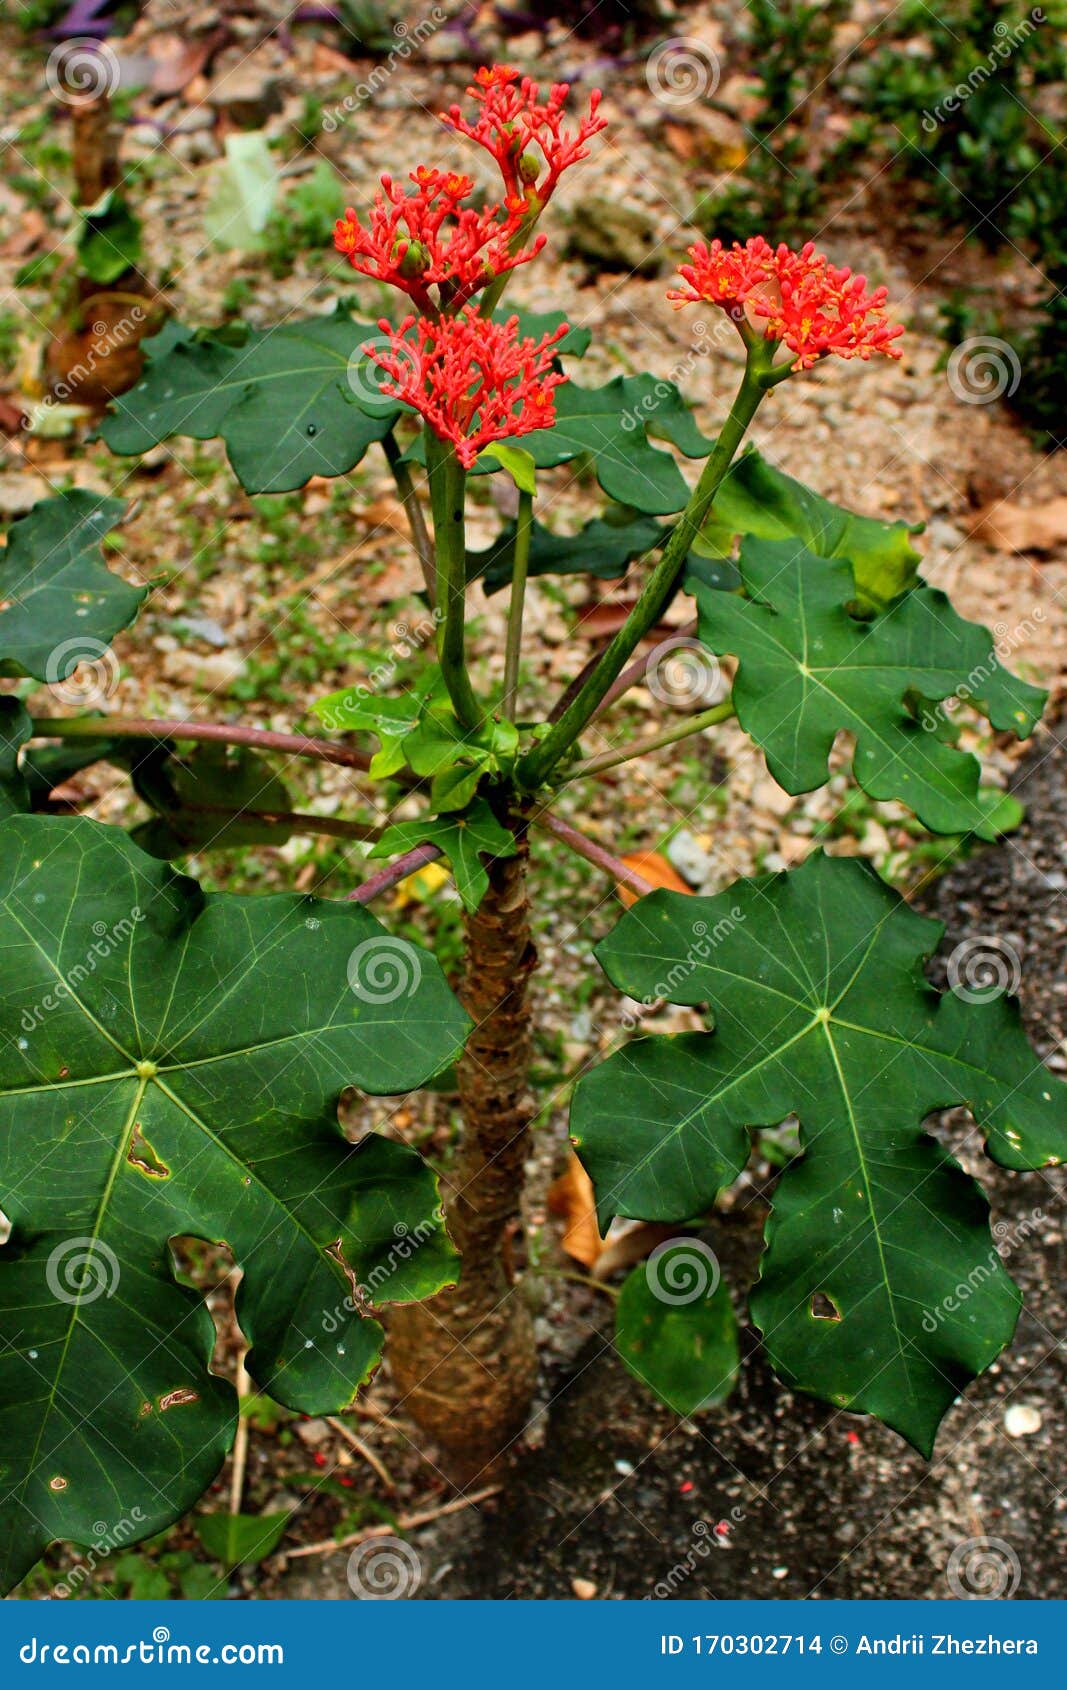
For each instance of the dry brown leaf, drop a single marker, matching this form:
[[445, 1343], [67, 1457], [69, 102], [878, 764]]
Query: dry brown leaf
[[571, 1198], [1022, 528], [653, 867]]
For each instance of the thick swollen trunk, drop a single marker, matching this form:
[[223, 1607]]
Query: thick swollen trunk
[[465, 1362]]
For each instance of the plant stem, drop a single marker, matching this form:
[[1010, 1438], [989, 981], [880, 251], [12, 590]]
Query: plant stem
[[409, 498], [448, 481], [225, 733], [297, 821], [593, 853], [518, 601], [540, 761], [669, 736], [394, 872]]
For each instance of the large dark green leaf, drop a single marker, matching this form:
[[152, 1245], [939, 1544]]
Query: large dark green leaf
[[758, 499], [600, 548], [808, 668], [675, 1327], [821, 1010], [61, 605], [282, 400], [208, 800], [172, 1067]]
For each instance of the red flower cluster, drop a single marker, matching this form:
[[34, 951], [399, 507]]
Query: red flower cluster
[[428, 236], [815, 308], [513, 118], [474, 381]]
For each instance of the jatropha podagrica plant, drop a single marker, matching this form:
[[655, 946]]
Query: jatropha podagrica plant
[[173, 1058]]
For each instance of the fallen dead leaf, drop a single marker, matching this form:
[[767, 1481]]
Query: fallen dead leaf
[[570, 1197], [1022, 528], [653, 867]]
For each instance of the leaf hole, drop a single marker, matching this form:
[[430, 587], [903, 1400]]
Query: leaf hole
[[823, 1307]]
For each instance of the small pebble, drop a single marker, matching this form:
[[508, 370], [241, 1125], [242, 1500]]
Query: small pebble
[[584, 1589], [1021, 1421], [779, 1572]]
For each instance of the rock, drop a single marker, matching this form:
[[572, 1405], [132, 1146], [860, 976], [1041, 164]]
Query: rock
[[248, 93], [203, 628], [584, 1589], [215, 673], [1021, 1421], [19, 492], [607, 236]]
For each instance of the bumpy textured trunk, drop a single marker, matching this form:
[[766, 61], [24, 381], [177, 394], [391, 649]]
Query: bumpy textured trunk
[[465, 1361]]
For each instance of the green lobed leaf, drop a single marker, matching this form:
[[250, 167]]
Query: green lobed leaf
[[808, 668], [604, 549], [174, 1067], [109, 240], [193, 794], [240, 1540], [757, 499], [282, 401], [464, 840], [814, 979], [61, 605], [675, 1328]]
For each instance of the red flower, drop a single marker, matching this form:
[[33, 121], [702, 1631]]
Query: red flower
[[426, 237], [815, 308], [514, 118], [473, 380]]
